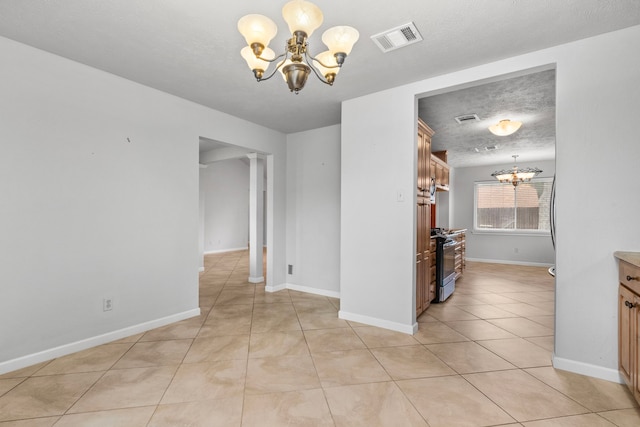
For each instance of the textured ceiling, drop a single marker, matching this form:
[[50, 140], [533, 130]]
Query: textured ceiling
[[190, 48], [529, 99]]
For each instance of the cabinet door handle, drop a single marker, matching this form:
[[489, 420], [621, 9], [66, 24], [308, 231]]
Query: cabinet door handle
[[629, 304], [630, 278]]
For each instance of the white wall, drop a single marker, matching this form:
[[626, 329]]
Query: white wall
[[100, 199], [313, 210], [226, 199], [377, 226], [597, 188], [532, 249]]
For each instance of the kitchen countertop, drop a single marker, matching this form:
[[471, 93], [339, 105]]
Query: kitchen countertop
[[630, 257]]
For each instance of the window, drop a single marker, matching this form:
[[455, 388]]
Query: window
[[503, 207]]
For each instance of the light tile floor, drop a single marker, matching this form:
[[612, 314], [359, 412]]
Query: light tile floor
[[285, 359]]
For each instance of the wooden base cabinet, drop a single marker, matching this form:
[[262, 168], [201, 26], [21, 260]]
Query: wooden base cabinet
[[460, 253], [629, 326], [423, 262]]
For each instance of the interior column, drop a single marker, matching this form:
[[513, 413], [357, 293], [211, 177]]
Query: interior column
[[256, 217]]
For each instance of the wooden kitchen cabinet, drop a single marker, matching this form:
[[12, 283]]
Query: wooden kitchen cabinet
[[629, 326], [423, 219], [424, 155], [423, 263], [440, 172], [460, 252]]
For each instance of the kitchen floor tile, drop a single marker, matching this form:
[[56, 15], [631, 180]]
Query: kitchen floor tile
[[320, 340], [623, 417], [206, 413], [524, 397], [45, 396], [133, 417], [278, 344], [206, 381], [522, 327], [479, 330], [295, 408], [154, 353], [93, 359], [410, 362], [337, 368], [126, 388], [377, 337], [277, 374], [467, 357], [211, 349], [437, 399], [519, 352], [437, 332], [587, 420], [592, 393], [372, 405]]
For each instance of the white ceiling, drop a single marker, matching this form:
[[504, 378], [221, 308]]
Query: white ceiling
[[190, 48]]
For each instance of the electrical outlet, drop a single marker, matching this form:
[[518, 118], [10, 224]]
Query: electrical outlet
[[516, 250], [107, 304]]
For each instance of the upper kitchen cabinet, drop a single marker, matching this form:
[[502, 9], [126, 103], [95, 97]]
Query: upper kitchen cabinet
[[440, 170], [424, 152]]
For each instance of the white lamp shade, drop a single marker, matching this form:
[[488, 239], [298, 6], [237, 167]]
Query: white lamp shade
[[302, 15], [326, 58], [505, 127], [504, 177], [257, 29], [255, 63], [525, 176], [340, 39]]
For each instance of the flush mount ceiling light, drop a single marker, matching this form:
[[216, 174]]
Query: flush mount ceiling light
[[296, 63], [515, 176], [505, 127]]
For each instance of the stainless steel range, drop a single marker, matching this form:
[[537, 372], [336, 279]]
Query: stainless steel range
[[445, 265]]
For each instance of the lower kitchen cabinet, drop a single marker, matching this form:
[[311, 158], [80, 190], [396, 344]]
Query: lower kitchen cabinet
[[629, 326]]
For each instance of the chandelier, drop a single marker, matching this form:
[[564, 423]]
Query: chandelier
[[296, 63], [505, 127], [515, 176]]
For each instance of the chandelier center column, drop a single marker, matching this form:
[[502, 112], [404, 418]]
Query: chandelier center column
[[256, 217]]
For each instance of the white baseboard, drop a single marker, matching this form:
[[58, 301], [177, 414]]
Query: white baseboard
[[63, 350], [502, 261], [221, 251], [257, 279], [587, 369], [276, 288], [305, 289], [315, 291], [381, 323]]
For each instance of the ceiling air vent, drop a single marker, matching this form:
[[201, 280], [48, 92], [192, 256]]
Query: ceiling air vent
[[483, 149], [467, 118], [398, 37]]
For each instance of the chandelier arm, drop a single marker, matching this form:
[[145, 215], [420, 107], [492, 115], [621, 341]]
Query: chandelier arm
[[315, 71], [320, 77], [276, 69], [306, 54], [272, 60]]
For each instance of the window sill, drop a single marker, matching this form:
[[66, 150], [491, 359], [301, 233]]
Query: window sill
[[532, 233]]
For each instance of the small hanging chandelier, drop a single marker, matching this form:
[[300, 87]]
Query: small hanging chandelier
[[504, 127], [296, 63], [515, 176]]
